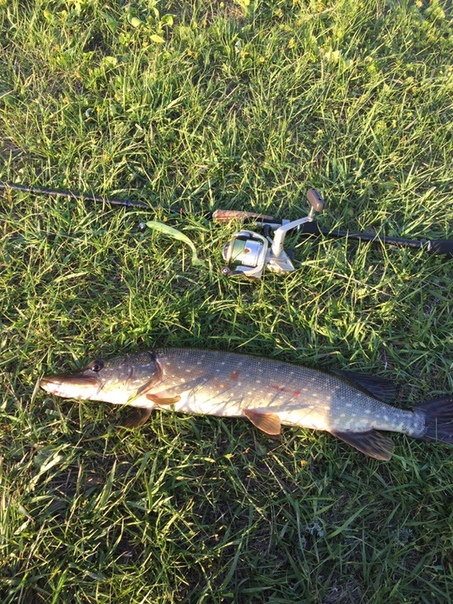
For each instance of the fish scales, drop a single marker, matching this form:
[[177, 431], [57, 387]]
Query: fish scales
[[223, 383], [270, 393]]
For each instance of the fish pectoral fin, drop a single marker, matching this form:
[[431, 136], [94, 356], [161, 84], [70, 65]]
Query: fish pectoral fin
[[136, 418], [372, 443], [141, 391], [162, 400], [154, 381], [267, 422]]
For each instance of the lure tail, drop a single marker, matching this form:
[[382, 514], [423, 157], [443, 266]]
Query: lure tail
[[438, 419]]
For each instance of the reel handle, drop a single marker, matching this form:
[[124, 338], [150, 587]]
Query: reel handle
[[315, 200]]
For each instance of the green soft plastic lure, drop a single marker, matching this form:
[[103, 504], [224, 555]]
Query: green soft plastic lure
[[175, 234]]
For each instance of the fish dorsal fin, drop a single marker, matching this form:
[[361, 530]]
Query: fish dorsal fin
[[372, 443], [380, 388], [267, 422], [163, 400], [136, 418]]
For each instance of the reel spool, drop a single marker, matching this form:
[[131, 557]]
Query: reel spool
[[246, 254]]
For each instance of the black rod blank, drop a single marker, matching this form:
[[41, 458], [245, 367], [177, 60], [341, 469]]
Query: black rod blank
[[83, 196]]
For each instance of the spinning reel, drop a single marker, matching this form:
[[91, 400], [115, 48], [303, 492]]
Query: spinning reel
[[249, 253]]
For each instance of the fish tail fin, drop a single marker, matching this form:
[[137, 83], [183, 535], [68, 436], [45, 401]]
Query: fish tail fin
[[438, 419]]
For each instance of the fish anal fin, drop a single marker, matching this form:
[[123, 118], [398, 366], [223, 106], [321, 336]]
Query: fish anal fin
[[379, 387], [267, 422], [136, 418], [163, 400], [372, 443]]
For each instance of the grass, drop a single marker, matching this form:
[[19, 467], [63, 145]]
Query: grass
[[238, 105]]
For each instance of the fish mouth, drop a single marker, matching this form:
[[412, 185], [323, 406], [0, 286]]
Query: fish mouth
[[70, 386]]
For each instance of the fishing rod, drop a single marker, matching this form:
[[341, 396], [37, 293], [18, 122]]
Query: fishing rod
[[249, 253]]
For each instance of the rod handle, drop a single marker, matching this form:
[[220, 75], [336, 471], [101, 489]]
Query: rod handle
[[226, 216]]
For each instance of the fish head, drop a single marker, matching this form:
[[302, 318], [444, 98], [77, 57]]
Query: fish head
[[119, 380]]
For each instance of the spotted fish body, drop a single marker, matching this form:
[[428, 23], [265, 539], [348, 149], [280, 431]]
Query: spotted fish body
[[268, 392]]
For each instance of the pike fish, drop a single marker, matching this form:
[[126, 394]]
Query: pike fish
[[269, 393]]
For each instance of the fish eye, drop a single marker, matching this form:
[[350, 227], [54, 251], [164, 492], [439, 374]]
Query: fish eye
[[96, 366]]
